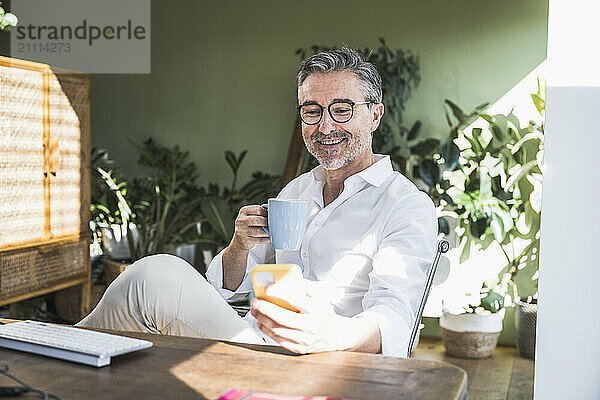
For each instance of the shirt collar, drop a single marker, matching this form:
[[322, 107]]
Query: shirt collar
[[375, 175]]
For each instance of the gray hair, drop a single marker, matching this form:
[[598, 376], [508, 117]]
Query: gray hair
[[344, 59]]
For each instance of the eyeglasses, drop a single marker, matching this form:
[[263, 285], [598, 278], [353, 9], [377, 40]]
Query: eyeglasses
[[340, 111]]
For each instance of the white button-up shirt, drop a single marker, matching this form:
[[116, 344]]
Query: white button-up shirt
[[370, 249]]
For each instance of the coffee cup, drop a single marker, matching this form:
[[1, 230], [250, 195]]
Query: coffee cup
[[287, 222]]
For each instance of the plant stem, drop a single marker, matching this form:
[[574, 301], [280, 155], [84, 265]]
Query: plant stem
[[512, 244], [505, 254], [235, 174], [234, 181], [161, 227]]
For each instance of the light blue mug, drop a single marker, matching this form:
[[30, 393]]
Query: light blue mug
[[287, 222]]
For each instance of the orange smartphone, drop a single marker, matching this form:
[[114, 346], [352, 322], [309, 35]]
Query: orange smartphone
[[265, 274]]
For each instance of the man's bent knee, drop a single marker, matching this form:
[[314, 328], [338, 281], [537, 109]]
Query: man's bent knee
[[163, 269], [146, 294]]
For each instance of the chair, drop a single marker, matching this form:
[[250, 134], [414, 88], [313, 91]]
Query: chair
[[443, 246]]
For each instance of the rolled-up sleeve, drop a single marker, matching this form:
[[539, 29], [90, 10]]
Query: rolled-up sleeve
[[399, 273], [259, 254]]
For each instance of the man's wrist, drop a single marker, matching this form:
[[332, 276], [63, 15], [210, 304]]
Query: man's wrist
[[236, 246], [234, 262], [362, 335]]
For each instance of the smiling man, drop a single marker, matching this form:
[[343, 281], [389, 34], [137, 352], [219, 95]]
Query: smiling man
[[370, 237]]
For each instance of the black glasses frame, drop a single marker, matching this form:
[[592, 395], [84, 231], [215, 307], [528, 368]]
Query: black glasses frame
[[352, 104]]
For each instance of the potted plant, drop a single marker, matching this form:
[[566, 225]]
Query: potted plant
[[171, 211], [111, 217], [474, 332], [165, 211], [109, 209], [495, 194]]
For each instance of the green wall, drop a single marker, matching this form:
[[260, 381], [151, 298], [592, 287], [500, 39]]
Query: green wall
[[223, 72]]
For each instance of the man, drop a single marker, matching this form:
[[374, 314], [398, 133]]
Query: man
[[370, 237]]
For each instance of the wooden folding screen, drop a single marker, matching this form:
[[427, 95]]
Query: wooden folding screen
[[44, 180]]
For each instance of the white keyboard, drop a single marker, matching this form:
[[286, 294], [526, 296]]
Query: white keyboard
[[67, 343]]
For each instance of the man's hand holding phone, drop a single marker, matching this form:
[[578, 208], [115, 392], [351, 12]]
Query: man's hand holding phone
[[288, 309]]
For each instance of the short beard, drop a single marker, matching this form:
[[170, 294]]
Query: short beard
[[352, 152]]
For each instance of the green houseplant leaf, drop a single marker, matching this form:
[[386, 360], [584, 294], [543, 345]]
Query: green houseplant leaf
[[219, 215], [496, 185], [492, 301], [429, 171]]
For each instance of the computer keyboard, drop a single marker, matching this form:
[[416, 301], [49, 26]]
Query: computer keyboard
[[67, 343]]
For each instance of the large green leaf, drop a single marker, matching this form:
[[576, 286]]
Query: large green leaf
[[493, 165], [530, 215], [479, 142], [447, 199], [456, 111], [525, 188], [524, 279], [466, 251], [7, 21], [231, 160], [429, 171], [487, 240], [529, 136], [414, 131], [539, 102], [472, 183], [443, 226], [514, 121], [219, 215], [530, 150], [478, 227], [485, 187], [492, 301], [497, 226], [498, 135], [522, 171], [426, 148], [475, 145], [241, 157], [501, 121]]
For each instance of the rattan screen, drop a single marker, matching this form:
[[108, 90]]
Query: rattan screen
[[66, 93], [30, 269], [22, 203], [44, 178]]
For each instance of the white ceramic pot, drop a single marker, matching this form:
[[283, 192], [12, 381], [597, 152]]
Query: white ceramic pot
[[471, 322], [187, 252], [115, 243]]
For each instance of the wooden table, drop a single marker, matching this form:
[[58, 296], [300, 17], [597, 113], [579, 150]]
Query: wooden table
[[190, 368]]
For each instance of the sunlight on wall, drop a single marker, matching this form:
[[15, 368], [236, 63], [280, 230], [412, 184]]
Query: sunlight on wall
[[65, 188]]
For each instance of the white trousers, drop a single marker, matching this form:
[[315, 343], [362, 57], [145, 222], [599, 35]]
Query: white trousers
[[164, 294]]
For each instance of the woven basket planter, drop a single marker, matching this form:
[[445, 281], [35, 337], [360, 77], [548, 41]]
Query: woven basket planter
[[112, 269], [471, 336], [525, 323]]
